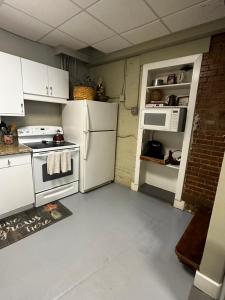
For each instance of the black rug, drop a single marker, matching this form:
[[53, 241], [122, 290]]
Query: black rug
[[21, 225]]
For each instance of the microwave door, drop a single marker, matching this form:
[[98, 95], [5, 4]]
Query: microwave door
[[154, 119]]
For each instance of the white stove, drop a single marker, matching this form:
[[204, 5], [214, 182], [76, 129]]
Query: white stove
[[49, 188]]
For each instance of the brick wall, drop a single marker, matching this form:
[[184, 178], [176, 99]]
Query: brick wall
[[208, 144]]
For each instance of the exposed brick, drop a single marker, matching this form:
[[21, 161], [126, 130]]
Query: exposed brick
[[208, 143]]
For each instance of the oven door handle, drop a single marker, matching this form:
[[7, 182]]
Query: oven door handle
[[47, 153]]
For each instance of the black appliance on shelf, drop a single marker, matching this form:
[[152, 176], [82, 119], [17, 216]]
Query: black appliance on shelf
[[154, 149]]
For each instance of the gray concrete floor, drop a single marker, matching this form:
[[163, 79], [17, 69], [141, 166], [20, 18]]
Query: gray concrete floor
[[117, 245]]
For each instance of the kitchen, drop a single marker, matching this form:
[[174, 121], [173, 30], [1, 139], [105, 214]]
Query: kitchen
[[68, 151]]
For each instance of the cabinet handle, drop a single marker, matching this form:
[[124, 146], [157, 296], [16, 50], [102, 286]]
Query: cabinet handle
[[9, 163], [46, 90], [22, 107], [51, 90]]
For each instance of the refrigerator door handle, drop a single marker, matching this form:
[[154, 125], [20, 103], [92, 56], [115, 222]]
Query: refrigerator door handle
[[86, 144], [86, 119]]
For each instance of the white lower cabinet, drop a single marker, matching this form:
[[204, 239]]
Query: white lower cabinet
[[16, 182]]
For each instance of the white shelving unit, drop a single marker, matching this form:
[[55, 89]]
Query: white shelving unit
[[175, 86], [166, 176]]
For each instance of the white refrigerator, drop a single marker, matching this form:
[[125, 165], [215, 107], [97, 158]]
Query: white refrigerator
[[92, 125]]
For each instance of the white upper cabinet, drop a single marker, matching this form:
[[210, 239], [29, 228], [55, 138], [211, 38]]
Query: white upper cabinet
[[11, 89], [44, 83], [35, 78], [58, 83]]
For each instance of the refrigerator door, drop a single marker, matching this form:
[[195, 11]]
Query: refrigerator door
[[101, 116], [98, 163]]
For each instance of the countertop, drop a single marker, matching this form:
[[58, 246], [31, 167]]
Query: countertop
[[13, 149]]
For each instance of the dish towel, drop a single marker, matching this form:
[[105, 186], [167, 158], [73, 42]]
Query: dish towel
[[53, 163], [65, 161]]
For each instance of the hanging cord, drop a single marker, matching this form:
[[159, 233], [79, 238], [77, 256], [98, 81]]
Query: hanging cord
[[124, 86], [124, 94]]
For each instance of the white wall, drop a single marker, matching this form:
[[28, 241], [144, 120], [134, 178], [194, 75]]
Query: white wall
[[13, 44], [213, 261]]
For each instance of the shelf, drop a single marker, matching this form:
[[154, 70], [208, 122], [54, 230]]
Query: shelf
[[166, 106], [173, 166], [153, 159], [159, 161], [170, 86]]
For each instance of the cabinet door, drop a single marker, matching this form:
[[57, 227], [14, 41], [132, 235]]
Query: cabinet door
[[11, 91], [16, 188], [58, 83], [35, 78]]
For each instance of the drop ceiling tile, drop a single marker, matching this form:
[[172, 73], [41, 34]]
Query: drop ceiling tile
[[163, 8], [202, 13], [87, 29], [112, 44], [21, 24], [52, 12], [84, 3], [122, 15], [58, 38], [146, 33]]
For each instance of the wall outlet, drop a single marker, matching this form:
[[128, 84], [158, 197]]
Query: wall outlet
[[134, 110]]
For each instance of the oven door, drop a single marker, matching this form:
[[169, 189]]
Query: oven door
[[43, 181], [156, 119]]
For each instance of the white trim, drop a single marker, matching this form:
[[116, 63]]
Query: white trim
[[188, 126], [196, 61], [179, 204], [222, 295], [134, 187], [172, 62], [44, 99], [207, 285]]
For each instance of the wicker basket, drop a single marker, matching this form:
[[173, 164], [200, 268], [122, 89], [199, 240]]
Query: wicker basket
[[83, 93]]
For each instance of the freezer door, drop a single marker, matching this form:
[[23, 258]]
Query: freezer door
[[101, 116], [98, 167]]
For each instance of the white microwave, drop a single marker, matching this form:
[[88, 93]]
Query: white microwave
[[165, 119]]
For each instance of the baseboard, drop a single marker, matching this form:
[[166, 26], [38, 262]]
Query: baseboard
[[179, 204], [207, 285], [134, 187]]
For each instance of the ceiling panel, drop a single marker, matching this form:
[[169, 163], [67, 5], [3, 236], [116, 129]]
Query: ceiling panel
[[22, 24], [112, 44], [163, 8], [147, 32], [86, 28], [122, 15], [196, 15], [84, 3], [57, 38], [52, 12]]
